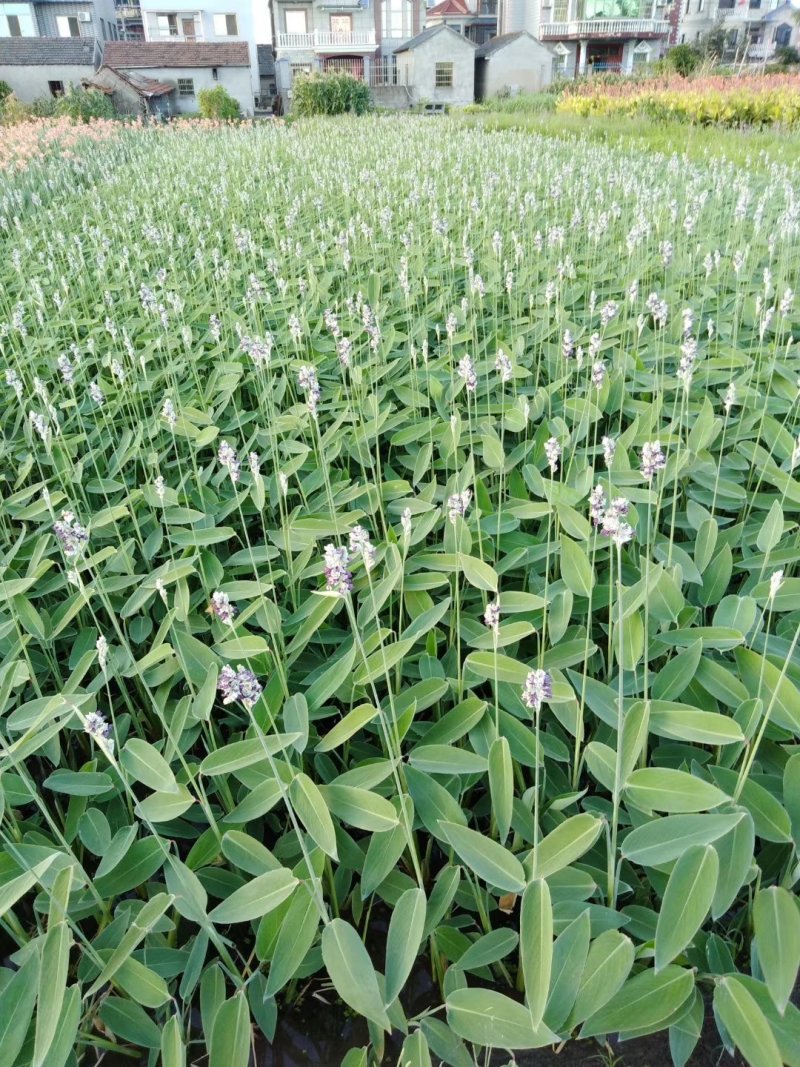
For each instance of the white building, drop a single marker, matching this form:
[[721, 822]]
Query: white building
[[214, 21], [754, 29], [592, 35], [59, 18]]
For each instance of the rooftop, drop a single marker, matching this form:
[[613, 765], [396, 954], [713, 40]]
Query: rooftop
[[496, 43], [47, 51], [147, 54], [426, 35], [449, 7]]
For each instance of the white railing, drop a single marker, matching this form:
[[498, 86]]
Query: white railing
[[324, 40], [604, 28], [761, 51]]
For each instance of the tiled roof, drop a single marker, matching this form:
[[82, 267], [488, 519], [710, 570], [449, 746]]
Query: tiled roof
[[47, 51], [145, 54], [426, 35], [449, 7], [496, 43]]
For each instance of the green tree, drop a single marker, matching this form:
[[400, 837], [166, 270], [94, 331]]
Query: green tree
[[217, 103]]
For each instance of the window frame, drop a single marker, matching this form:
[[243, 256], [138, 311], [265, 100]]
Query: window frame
[[68, 21], [340, 17], [222, 24], [16, 23], [295, 11], [440, 72], [183, 92], [55, 93]]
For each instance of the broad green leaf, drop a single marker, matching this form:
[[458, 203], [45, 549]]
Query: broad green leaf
[[11, 892], [665, 789], [565, 844], [645, 1000], [173, 1050], [664, 840], [17, 998], [486, 858], [354, 721], [402, 943], [313, 813], [607, 965], [501, 785], [350, 969], [745, 1022], [735, 851], [230, 1035], [478, 573], [536, 946], [446, 759], [255, 899], [145, 764], [576, 570], [762, 679], [776, 920], [52, 987], [359, 807], [686, 903], [485, 1017], [570, 950]]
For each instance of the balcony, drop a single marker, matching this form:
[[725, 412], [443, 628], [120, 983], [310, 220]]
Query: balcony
[[326, 41], [549, 31]]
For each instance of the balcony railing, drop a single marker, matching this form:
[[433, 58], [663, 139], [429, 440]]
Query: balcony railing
[[326, 41], [604, 28]]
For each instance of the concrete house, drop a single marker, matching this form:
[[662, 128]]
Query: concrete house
[[357, 37], [513, 62], [476, 19], [47, 66], [438, 66], [593, 35], [188, 66], [59, 18], [753, 29], [211, 21]]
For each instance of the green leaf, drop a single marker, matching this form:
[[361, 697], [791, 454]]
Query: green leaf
[[486, 858], [446, 759], [17, 998], [686, 902], [130, 1022], [313, 813], [645, 1000], [256, 898], [52, 987], [536, 946], [141, 983], [665, 789], [359, 807], [771, 529], [354, 721], [576, 570], [501, 785], [570, 950], [350, 969], [145, 764], [403, 940], [230, 1034], [762, 679], [164, 807], [239, 754], [664, 840], [297, 932], [173, 1050], [776, 920], [565, 844], [487, 1018], [608, 964], [735, 850], [746, 1024], [11, 892], [478, 573]]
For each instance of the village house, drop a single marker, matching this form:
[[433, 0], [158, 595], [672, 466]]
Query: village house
[[752, 29], [438, 66], [512, 63], [354, 36], [36, 67], [592, 35], [59, 18], [476, 19], [213, 22], [187, 66]]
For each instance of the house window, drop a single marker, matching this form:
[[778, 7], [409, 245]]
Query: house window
[[185, 86], [444, 76], [783, 36], [13, 26], [225, 26], [755, 3], [103, 28], [396, 18], [296, 21], [341, 24], [68, 26], [700, 5], [560, 10], [56, 88], [167, 25], [299, 70], [215, 74]]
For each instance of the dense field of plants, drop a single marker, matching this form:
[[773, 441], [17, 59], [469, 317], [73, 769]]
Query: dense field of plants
[[399, 539], [755, 100]]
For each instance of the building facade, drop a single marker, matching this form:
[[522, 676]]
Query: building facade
[[475, 19], [36, 67], [355, 36], [750, 30], [592, 35], [59, 18], [438, 66], [210, 22]]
